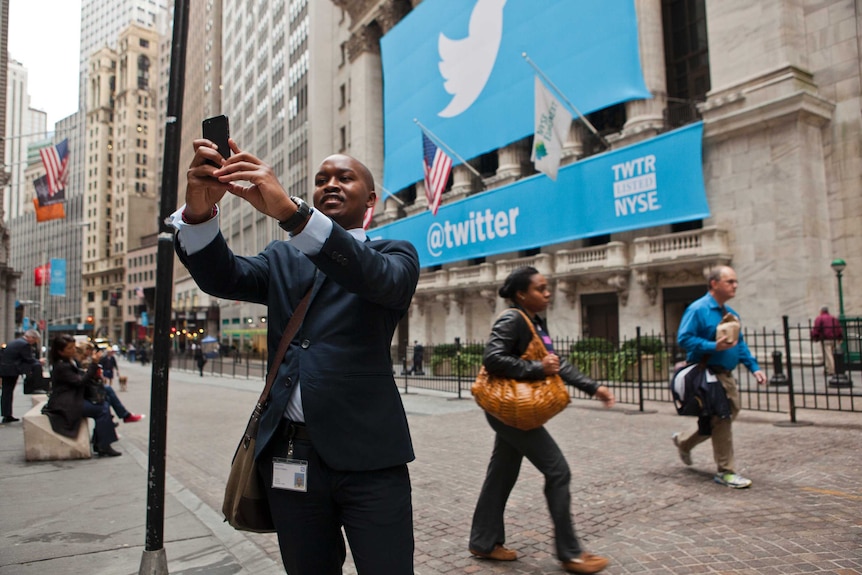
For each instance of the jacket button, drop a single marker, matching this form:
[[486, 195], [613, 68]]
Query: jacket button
[[305, 343]]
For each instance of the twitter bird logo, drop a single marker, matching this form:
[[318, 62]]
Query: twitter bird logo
[[466, 64]]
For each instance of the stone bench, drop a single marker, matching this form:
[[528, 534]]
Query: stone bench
[[42, 444]]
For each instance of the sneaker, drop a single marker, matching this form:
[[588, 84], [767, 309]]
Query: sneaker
[[731, 479], [499, 553], [133, 417], [585, 563], [684, 455]]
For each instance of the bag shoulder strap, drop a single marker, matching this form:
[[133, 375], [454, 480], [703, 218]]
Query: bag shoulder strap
[[532, 329], [289, 332]]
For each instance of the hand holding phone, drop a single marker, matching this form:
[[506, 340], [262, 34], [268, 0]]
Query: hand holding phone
[[217, 130]]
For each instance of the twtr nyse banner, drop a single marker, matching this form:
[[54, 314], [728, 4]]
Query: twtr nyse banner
[[456, 66], [653, 183]]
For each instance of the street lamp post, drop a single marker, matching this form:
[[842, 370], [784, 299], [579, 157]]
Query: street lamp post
[[838, 266], [840, 378]]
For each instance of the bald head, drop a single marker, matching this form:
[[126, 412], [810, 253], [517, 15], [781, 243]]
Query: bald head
[[344, 190]]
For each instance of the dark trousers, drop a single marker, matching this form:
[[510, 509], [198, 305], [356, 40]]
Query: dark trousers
[[7, 394], [105, 434], [373, 507], [511, 445]]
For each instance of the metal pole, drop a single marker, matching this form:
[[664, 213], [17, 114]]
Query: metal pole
[[640, 370], [154, 560], [786, 323], [452, 152], [840, 297], [559, 92]]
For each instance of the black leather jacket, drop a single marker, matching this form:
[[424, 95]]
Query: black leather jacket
[[509, 338]]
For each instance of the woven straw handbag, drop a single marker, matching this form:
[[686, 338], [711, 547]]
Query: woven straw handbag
[[524, 405]]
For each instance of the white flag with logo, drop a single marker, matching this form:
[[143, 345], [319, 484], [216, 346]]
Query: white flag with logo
[[552, 127]]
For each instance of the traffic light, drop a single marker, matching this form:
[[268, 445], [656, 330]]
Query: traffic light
[[19, 314], [90, 319]]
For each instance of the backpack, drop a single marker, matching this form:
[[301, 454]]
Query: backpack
[[688, 386]]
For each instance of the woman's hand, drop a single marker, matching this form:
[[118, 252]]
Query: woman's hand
[[606, 396], [551, 364]]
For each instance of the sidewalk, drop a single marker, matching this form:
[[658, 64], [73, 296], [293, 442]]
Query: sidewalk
[[632, 499]]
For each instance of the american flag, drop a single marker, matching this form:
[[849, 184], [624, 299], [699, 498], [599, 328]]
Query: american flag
[[366, 219], [56, 162], [437, 167]]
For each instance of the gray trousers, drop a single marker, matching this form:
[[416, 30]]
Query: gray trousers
[[511, 445]]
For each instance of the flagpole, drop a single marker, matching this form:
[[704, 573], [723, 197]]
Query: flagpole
[[442, 144], [388, 194], [559, 92]]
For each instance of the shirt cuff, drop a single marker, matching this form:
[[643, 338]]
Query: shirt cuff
[[312, 237], [194, 237]]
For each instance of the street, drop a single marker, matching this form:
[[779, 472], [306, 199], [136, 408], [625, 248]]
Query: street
[[632, 499]]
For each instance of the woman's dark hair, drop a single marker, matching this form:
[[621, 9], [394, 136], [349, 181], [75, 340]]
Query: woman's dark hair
[[519, 280], [59, 344]]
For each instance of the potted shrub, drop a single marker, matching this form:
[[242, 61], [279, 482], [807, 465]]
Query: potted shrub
[[446, 361], [654, 360], [592, 356]]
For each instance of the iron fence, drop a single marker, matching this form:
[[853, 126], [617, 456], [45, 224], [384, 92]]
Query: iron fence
[[638, 368]]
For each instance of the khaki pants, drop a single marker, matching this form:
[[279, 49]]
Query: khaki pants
[[828, 358], [722, 435]]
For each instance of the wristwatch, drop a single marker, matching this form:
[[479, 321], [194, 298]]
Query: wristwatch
[[303, 212]]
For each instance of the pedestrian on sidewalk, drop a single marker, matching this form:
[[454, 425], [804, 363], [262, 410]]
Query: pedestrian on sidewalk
[[333, 443], [527, 290], [17, 359], [827, 330], [722, 354], [84, 357], [67, 404], [200, 359], [109, 366]]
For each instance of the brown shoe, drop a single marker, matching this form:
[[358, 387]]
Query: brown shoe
[[586, 563], [499, 553]]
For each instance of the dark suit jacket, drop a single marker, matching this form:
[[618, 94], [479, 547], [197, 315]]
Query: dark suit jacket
[[352, 407], [18, 359]]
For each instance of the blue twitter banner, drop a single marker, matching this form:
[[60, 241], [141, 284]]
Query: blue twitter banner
[[653, 183], [456, 66]]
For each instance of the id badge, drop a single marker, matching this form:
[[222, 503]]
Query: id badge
[[290, 474]]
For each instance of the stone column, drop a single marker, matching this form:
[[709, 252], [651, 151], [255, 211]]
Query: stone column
[[646, 117], [511, 161], [573, 148]]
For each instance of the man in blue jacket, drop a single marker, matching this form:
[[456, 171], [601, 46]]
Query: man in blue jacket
[[17, 359], [697, 336], [334, 407]]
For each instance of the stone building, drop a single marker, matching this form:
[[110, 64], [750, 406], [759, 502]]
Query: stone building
[[777, 87], [121, 150]]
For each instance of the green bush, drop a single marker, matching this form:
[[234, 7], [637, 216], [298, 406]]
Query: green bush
[[469, 361], [649, 345], [593, 345]]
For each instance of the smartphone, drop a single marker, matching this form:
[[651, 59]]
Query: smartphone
[[217, 130]]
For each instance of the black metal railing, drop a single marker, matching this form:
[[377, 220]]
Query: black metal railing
[[638, 368]]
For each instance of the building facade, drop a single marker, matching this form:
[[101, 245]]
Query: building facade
[[24, 126], [778, 90], [120, 192]]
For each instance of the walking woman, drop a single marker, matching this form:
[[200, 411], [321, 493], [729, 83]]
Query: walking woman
[[67, 406], [528, 292]]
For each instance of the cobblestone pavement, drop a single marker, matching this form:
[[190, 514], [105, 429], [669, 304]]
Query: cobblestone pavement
[[633, 500]]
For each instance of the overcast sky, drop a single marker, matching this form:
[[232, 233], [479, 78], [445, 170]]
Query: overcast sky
[[44, 35]]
